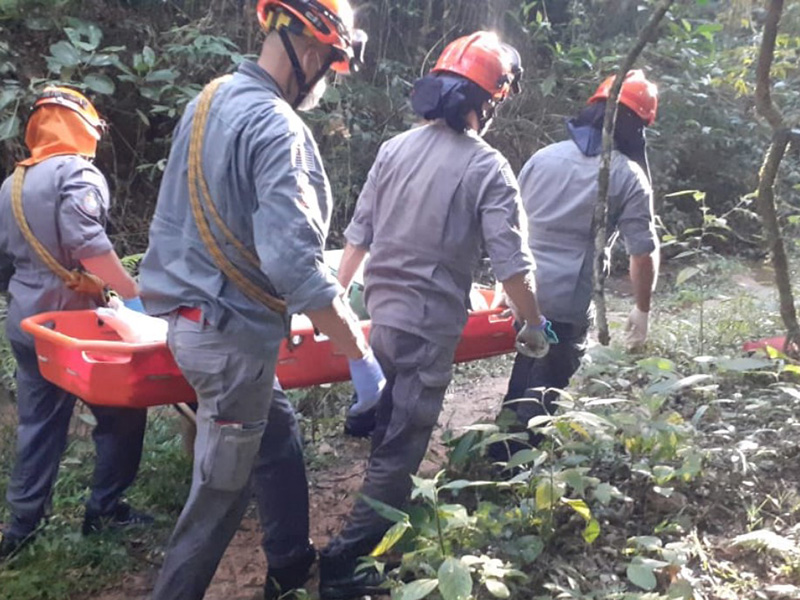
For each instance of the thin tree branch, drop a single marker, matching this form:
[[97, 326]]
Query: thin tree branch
[[599, 223]]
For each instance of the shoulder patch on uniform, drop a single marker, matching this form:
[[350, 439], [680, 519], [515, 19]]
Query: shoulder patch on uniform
[[90, 204]]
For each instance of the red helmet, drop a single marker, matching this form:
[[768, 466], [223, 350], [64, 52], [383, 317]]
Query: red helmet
[[637, 93], [329, 21], [485, 60]]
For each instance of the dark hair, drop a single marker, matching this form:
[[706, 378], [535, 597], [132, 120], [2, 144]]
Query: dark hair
[[448, 97]]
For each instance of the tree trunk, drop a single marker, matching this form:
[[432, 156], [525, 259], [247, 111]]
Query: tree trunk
[[781, 136]]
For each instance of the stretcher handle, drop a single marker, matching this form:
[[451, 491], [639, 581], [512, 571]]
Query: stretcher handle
[[35, 325], [119, 358]]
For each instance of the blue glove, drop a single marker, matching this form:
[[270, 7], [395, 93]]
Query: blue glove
[[134, 304], [546, 327], [368, 380]]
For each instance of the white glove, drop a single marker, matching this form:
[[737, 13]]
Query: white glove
[[130, 325], [532, 340], [636, 329]]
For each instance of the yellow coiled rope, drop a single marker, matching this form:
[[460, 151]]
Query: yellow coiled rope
[[201, 202], [76, 280]]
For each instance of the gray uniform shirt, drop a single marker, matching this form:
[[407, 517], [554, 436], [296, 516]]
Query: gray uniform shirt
[[267, 181], [66, 201], [431, 198], [559, 190]]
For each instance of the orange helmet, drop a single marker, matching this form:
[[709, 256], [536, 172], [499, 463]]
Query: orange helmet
[[62, 121], [637, 93], [486, 61], [329, 21]]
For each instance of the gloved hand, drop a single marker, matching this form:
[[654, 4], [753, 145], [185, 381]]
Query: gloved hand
[[134, 304], [132, 326], [534, 340], [636, 329], [368, 380]]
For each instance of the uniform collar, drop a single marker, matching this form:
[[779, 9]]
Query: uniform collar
[[251, 69]]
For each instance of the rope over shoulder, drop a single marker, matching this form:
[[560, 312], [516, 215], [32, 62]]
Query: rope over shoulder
[[75, 280], [202, 203]]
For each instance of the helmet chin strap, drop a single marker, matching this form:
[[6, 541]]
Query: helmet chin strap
[[304, 85]]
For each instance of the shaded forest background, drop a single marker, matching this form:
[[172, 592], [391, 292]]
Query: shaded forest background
[[143, 60]]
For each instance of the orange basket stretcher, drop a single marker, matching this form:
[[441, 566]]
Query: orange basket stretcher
[[86, 357]]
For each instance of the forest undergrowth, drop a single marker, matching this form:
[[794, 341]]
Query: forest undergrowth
[[670, 474]]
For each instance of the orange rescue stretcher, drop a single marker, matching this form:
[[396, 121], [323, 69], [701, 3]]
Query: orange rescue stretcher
[[83, 355]]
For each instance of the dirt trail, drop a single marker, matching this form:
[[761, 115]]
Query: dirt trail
[[240, 575]]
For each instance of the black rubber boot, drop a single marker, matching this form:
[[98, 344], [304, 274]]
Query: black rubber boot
[[11, 544], [122, 517], [282, 582], [339, 579]]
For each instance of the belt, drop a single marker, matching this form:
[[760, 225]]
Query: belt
[[190, 312]]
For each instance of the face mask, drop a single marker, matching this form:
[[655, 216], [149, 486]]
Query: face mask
[[312, 100]]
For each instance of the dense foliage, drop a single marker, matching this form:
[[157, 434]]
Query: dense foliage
[[143, 61]]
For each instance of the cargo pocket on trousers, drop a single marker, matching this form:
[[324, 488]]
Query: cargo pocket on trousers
[[434, 377], [230, 454]]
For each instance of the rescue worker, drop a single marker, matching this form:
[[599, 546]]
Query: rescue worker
[[559, 185], [236, 246], [434, 196], [55, 255]]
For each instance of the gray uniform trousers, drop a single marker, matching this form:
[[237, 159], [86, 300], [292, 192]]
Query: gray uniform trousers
[[247, 438], [417, 373], [44, 415]]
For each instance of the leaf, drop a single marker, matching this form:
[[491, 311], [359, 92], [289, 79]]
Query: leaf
[[548, 494], [548, 85], [496, 588], [65, 54], [89, 419], [673, 385], [102, 84], [332, 95], [161, 75], [9, 128], [641, 575], [685, 274], [523, 457], [416, 590], [390, 538], [766, 540], [102, 60], [148, 56], [423, 487], [580, 507], [651, 543], [460, 484], [744, 364], [387, 512], [604, 492], [592, 531], [529, 547], [455, 581]]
